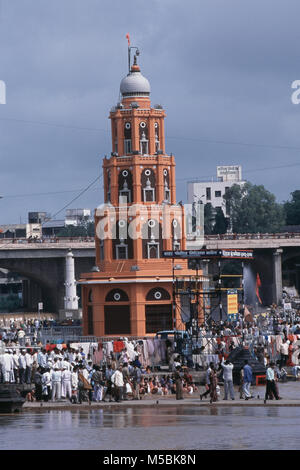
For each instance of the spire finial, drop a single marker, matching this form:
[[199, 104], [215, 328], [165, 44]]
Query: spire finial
[[137, 53]]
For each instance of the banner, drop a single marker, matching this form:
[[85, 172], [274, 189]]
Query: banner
[[200, 254], [232, 302]]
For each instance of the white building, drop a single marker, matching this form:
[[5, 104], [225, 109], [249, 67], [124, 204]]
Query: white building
[[77, 216], [213, 191], [20, 231]]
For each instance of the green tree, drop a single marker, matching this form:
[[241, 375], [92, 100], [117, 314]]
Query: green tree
[[82, 230], [253, 209], [209, 218], [221, 223], [292, 209]]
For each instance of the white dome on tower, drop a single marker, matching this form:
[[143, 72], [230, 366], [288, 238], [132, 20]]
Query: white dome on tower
[[135, 84]]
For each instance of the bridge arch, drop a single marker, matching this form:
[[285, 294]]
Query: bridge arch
[[41, 287]]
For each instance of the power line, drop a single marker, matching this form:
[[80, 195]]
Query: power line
[[206, 141], [50, 193], [77, 197], [52, 124], [227, 142]]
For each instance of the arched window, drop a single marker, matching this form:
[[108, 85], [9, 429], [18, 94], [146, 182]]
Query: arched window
[[122, 243], [127, 138], [144, 142], [176, 234], [117, 295], [156, 132], [158, 293], [125, 186], [148, 185], [167, 192], [152, 239], [90, 296]]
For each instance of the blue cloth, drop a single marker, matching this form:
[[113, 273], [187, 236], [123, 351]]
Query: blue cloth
[[247, 373]]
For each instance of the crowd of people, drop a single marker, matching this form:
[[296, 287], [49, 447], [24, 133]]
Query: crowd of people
[[273, 375], [30, 331], [69, 374]]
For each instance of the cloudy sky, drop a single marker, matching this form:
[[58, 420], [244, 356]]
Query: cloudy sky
[[222, 69]]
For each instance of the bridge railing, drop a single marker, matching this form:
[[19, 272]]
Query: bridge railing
[[63, 333], [16, 241], [253, 236]]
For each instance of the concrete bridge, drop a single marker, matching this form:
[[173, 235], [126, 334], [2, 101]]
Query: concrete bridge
[[44, 266], [276, 258]]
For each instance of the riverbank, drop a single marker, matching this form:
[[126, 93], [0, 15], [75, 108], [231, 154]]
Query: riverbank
[[169, 400]]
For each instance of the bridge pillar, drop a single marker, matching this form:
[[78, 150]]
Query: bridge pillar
[[71, 299], [277, 275]]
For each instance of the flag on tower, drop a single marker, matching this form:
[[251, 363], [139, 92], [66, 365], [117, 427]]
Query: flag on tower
[[128, 39]]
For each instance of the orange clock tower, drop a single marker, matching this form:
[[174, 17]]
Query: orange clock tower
[[131, 290]]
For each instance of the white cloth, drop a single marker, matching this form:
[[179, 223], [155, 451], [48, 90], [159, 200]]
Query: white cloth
[[28, 360], [227, 371], [22, 362], [284, 348], [117, 379], [74, 381], [66, 389]]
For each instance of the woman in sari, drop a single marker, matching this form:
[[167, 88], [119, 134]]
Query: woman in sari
[[213, 384]]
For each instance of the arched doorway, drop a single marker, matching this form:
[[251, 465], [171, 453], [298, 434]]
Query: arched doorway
[[117, 313], [158, 310]]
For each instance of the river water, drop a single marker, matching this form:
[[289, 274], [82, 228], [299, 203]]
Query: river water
[[164, 427]]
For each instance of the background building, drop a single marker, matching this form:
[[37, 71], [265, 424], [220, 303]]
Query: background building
[[77, 216], [213, 191], [41, 225], [21, 231]]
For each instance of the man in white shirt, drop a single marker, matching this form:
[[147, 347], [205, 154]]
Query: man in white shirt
[[270, 383], [6, 366], [42, 359], [16, 366], [21, 336], [284, 353], [118, 382], [46, 384], [11, 373], [228, 379], [56, 384], [66, 389], [22, 366], [65, 364], [29, 362]]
